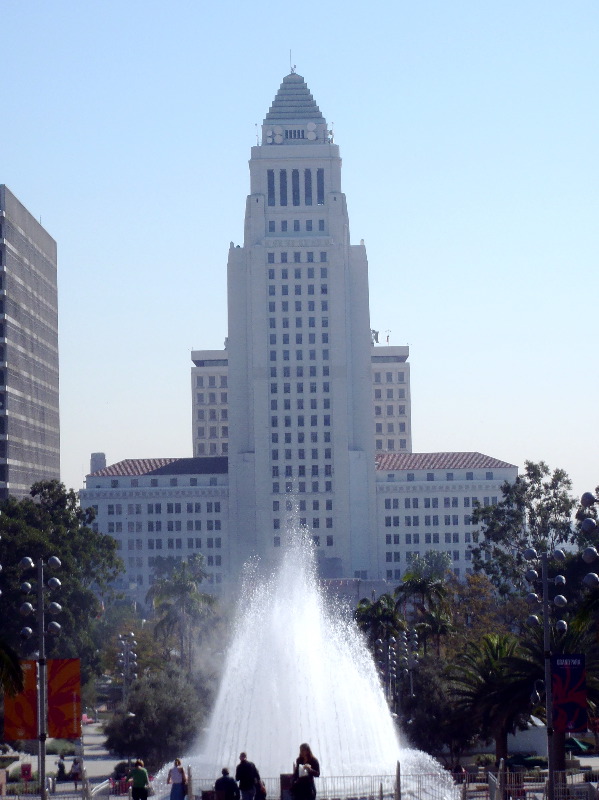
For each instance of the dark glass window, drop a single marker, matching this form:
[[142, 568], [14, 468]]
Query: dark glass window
[[320, 187], [295, 190], [283, 186], [308, 186], [270, 177]]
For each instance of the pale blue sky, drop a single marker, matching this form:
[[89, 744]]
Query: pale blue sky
[[468, 132]]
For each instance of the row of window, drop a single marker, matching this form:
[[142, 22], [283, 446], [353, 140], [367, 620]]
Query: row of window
[[401, 427], [431, 476], [389, 377], [276, 523], [295, 225], [390, 394], [136, 562], [316, 540], [326, 437], [278, 179], [301, 470], [390, 410], [272, 306], [299, 388], [171, 508], [274, 405], [213, 414], [289, 505], [287, 422], [414, 521], [299, 321], [289, 487], [299, 355], [403, 443], [288, 454], [210, 397], [448, 502], [299, 338], [171, 525], [134, 482], [429, 538], [395, 556], [297, 259], [312, 371], [395, 574], [298, 289], [213, 449], [213, 432], [210, 380]]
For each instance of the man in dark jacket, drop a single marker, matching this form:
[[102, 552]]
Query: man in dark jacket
[[226, 788], [248, 776]]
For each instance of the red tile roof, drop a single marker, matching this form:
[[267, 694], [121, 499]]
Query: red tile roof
[[133, 466], [413, 461]]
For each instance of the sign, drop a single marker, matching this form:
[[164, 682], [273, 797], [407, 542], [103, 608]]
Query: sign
[[64, 698], [20, 711], [25, 772], [568, 682]]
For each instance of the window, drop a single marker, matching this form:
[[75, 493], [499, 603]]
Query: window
[[295, 190], [283, 187], [270, 181], [271, 226], [308, 187], [320, 186]]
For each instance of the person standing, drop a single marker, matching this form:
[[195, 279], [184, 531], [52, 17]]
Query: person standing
[[140, 781], [306, 769], [247, 776], [225, 787], [178, 780]]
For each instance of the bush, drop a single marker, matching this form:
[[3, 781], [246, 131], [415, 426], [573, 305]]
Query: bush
[[60, 747]]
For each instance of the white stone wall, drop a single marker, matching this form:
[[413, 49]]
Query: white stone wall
[[165, 515], [416, 514], [210, 403], [391, 399]]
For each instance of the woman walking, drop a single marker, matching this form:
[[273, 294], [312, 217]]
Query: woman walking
[[306, 769], [178, 780]]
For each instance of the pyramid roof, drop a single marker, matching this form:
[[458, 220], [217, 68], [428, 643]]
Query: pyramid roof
[[293, 102]]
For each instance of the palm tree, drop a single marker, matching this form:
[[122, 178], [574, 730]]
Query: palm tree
[[424, 591], [180, 605], [487, 686], [11, 673], [378, 619]]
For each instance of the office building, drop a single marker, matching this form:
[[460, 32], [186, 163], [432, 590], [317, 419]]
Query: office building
[[29, 407]]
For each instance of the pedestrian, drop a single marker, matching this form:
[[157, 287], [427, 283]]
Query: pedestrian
[[61, 771], [76, 772], [306, 769], [178, 780], [225, 787], [140, 781], [247, 776]]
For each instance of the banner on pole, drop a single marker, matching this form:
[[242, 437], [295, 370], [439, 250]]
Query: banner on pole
[[64, 698], [568, 681], [20, 711]]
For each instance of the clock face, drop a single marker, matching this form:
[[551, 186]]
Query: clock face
[[311, 126], [311, 136], [278, 138]]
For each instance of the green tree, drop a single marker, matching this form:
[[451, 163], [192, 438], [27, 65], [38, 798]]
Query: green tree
[[180, 606], [535, 511], [486, 688], [162, 719], [378, 619], [51, 522]]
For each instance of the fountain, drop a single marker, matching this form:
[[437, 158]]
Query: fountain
[[298, 671]]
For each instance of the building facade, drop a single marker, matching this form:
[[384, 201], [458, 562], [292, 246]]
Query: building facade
[[391, 401], [425, 502], [299, 350], [162, 507], [29, 405], [210, 403]]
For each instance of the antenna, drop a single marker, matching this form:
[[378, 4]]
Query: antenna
[[292, 67]]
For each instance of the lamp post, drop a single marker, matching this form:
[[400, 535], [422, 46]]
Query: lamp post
[[53, 629], [408, 655], [127, 661], [387, 664]]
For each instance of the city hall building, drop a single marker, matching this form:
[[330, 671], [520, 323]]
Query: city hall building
[[311, 415]]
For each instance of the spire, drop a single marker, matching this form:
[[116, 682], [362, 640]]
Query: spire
[[293, 102]]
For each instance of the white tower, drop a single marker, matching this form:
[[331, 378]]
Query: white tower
[[299, 352]]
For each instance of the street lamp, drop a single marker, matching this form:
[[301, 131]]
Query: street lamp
[[387, 664], [408, 655], [127, 661], [53, 629]]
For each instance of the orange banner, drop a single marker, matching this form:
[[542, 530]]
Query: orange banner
[[20, 712], [64, 698]]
